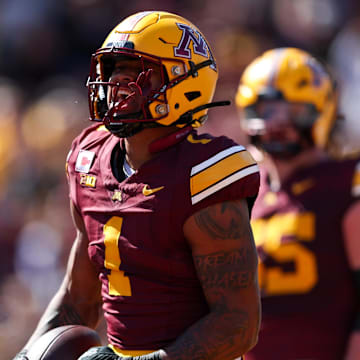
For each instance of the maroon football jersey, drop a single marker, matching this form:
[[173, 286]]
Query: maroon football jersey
[[307, 291], [150, 290]]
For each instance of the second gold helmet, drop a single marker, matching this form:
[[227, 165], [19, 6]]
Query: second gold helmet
[[295, 76]]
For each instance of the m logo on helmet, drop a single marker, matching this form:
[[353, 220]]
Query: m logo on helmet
[[200, 45]]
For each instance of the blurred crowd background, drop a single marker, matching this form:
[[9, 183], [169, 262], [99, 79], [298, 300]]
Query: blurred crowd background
[[45, 49]]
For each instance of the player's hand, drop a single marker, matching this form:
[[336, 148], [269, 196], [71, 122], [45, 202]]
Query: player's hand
[[140, 90], [99, 353], [105, 353], [21, 355]]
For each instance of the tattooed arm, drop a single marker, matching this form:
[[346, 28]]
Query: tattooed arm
[[78, 299], [226, 261]]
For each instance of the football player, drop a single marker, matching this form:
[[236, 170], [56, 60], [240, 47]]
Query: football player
[[162, 213], [306, 219]]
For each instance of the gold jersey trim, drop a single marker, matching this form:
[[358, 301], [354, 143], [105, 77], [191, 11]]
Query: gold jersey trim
[[220, 171], [129, 353]]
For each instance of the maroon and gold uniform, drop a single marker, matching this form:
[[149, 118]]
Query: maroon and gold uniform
[[150, 289], [307, 290]]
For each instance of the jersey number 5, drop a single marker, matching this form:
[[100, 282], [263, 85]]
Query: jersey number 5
[[268, 234], [119, 284]]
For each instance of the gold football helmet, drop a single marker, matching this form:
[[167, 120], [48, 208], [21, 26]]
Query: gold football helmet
[[188, 72], [295, 76]]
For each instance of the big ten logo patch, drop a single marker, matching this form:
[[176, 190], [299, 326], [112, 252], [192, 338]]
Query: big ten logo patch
[[87, 180], [199, 44]]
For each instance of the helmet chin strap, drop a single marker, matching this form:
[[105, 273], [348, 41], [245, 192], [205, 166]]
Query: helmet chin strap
[[124, 130], [187, 118]]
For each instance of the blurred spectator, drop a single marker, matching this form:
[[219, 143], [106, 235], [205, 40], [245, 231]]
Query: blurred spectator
[[309, 24], [32, 44], [37, 261]]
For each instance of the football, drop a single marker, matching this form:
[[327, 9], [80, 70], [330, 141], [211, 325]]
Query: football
[[64, 342]]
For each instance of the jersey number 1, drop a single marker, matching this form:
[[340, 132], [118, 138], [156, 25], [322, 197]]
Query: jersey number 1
[[119, 284]]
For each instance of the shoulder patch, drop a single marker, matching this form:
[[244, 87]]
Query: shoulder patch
[[84, 161], [219, 171], [355, 189]]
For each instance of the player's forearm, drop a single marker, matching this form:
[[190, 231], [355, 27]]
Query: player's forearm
[[225, 259], [62, 311], [220, 335]]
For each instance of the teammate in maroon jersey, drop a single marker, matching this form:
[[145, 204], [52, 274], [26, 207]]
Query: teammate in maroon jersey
[[306, 219], [162, 213]]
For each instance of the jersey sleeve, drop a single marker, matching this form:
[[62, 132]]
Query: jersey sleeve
[[70, 172], [230, 173]]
